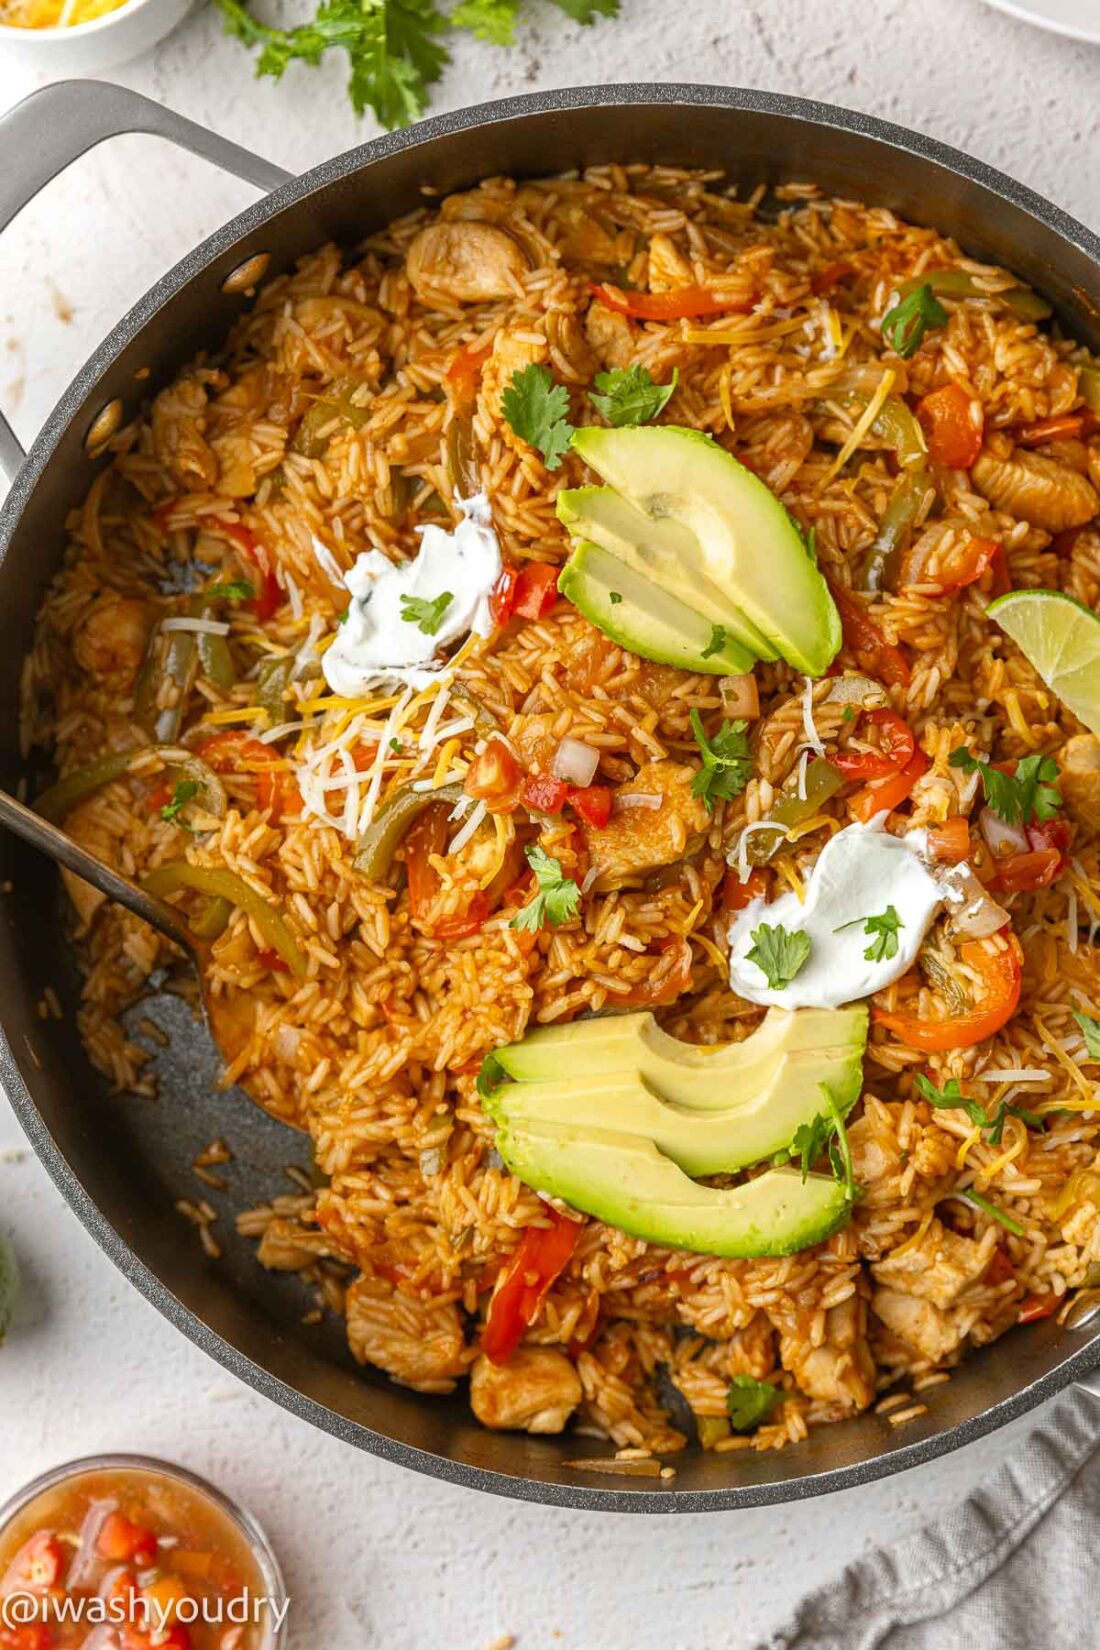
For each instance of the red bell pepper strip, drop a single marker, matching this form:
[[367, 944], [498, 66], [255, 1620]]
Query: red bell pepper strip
[[829, 277], [268, 599], [862, 636], [536, 590], [461, 927], [544, 794], [683, 304], [966, 565], [953, 433], [949, 843], [426, 836], [1060, 428], [502, 597], [538, 1262], [888, 793], [232, 751], [1034, 1307], [1001, 974], [592, 802], [897, 746]]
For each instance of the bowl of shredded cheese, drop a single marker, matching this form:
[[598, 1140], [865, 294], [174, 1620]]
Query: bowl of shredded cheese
[[82, 36]]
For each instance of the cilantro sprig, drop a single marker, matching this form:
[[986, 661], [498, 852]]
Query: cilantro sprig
[[1019, 798], [952, 1098], [490, 1077], [779, 953], [237, 590], [727, 765], [557, 899], [1090, 1030], [904, 326], [749, 1402], [630, 396], [181, 796], [424, 614], [717, 641], [538, 411], [882, 930], [826, 1132], [395, 47]]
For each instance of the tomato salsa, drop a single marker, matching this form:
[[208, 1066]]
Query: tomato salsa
[[124, 1555]]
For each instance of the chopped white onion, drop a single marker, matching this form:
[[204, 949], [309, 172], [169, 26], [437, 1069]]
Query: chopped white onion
[[85, 1559], [974, 916], [740, 696], [201, 627], [575, 762], [638, 799], [431, 1160], [1002, 837], [285, 1041]]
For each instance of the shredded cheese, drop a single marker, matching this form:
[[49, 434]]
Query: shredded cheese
[[462, 837], [809, 727], [863, 424], [201, 627], [786, 869], [238, 713]]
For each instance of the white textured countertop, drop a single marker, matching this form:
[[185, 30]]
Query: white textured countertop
[[376, 1558]]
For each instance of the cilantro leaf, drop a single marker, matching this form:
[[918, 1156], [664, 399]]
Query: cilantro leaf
[[1018, 798], [749, 1402], [882, 931], [778, 953], [992, 1210], [181, 796], [727, 765], [810, 1140], [827, 1132], [492, 20], [558, 896], [996, 1129], [490, 1077], [424, 614], [904, 326], [538, 411], [1090, 1030], [951, 1097], [237, 590], [614, 597], [717, 641], [630, 395]]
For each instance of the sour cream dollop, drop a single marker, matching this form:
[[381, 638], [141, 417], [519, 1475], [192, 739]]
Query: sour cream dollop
[[860, 872], [376, 643]]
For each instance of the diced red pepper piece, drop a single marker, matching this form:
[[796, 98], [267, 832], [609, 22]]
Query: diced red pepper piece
[[949, 842], [592, 802], [461, 927], [502, 597], [1034, 1307], [543, 794], [888, 793], [536, 590], [538, 1262], [896, 747], [683, 304], [862, 636], [737, 894], [1001, 973], [953, 426], [494, 777], [268, 599]]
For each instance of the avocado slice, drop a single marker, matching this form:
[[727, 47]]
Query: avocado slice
[[627, 1182], [739, 538], [705, 1077], [639, 615], [752, 1126], [602, 516]]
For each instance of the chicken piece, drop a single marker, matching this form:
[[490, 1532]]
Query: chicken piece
[[639, 839], [570, 352], [668, 268], [418, 1343], [610, 336], [1033, 487], [933, 1333], [111, 639], [940, 1268], [535, 1391], [465, 262], [177, 425], [841, 1370], [85, 825], [1079, 781]]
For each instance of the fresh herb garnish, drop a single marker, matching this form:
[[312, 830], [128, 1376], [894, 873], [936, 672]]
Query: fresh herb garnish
[[1020, 797], [727, 764], [994, 1213], [341, 618], [748, 1402], [952, 1098], [394, 47], [181, 796], [426, 615], [808, 535], [904, 326], [558, 896], [778, 953], [538, 411], [614, 597], [490, 1077], [237, 590], [717, 641], [1090, 1030], [827, 1131], [996, 1129], [882, 931], [630, 396], [396, 746]]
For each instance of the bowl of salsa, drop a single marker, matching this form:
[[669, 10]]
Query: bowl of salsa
[[120, 1552]]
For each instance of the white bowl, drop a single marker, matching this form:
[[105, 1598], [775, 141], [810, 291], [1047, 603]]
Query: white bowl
[[88, 47]]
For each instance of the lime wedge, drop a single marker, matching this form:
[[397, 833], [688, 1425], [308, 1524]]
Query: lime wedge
[[1061, 638]]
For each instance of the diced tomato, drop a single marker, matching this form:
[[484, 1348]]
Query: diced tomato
[[538, 1262], [544, 794], [826, 279], [1060, 428], [233, 751], [1034, 1307], [737, 894], [592, 802], [272, 961], [967, 564], [461, 927], [268, 599], [896, 747], [536, 590], [949, 842], [863, 637], [34, 1635], [494, 777], [502, 597], [1050, 833], [125, 1542], [952, 425], [1023, 873], [888, 793], [1001, 973], [1000, 1268], [36, 1566], [464, 374], [683, 304]]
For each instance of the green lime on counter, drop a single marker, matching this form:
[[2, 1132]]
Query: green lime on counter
[[1061, 638], [9, 1285]]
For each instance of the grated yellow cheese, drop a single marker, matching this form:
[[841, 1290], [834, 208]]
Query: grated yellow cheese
[[866, 419], [914, 1238], [238, 713], [967, 1147], [785, 867], [991, 1170], [446, 756], [1010, 698], [713, 952], [1070, 1066]]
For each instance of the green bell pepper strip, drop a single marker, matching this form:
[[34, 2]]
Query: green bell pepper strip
[[63, 797], [391, 823], [217, 883], [881, 566], [213, 920], [272, 686], [823, 781], [178, 655], [960, 283]]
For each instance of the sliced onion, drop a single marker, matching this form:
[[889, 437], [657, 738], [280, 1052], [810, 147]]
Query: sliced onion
[[740, 696], [974, 916], [575, 762], [638, 799], [1002, 837], [85, 1559]]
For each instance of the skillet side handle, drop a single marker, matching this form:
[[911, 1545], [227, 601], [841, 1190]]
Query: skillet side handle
[[45, 133]]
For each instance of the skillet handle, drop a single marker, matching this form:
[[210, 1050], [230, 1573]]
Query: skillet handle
[[45, 133]]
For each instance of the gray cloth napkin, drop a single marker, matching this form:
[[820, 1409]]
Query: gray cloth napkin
[[1013, 1568]]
